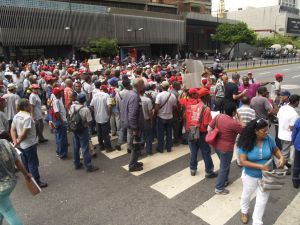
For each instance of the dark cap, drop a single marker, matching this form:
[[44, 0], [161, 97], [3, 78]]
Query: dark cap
[[285, 93], [81, 98]]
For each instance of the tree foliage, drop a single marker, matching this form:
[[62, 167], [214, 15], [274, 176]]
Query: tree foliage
[[264, 42], [103, 47], [233, 34]]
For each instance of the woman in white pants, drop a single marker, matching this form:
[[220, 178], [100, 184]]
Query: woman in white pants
[[256, 147]]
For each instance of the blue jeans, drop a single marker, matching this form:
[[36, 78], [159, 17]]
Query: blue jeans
[[31, 161], [61, 139], [164, 126], [125, 135], [7, 210], [205, 151], [82, 141], [103, 130], [225, 162], [147, 135]]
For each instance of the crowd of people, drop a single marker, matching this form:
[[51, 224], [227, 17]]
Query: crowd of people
[[139, 105]]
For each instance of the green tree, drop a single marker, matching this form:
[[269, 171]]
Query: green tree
[[103, 47], [232, 34], [264, 42]]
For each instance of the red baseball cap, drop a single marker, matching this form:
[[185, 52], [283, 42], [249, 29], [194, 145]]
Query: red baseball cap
[[193, 91], [35, 86], [278, 76], [57, 90], [203, 91]]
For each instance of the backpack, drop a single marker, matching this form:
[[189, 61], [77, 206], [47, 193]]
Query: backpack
[[76, 123]]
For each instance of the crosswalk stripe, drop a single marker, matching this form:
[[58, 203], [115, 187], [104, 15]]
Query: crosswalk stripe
[[159, 159], [291, 214], [95, 139], [220, 208], [116, 153], [179, 182]]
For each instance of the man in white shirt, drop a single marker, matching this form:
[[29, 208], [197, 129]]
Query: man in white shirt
[[165, 103], [287, 116], [4, 126], [23, 133], [60, 123], [101, 105], [11, 102], [147, 107]]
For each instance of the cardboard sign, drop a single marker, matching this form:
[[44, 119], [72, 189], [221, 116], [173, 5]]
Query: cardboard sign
[[192, 77], [94, 65]]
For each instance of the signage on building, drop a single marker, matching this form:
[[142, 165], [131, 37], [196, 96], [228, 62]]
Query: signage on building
[[293, 26]]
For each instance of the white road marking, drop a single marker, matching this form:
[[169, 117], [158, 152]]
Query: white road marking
[[289, 86], [264, 73], [286, 69], [179, 182], [221, 208], [291, 214], [95, 139], [296, 76], [159, 159]]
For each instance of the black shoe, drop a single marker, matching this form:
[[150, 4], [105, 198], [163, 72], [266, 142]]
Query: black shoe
[[128, 150], [109, 150], [169, 150], [159, 151], [79, 166], [43, 141], [288, 172], [296, 182], [193, 173], [211, 175], [139, 164], [42, 184], [92, 169], [149, 153], [118, 147], [135, 168]]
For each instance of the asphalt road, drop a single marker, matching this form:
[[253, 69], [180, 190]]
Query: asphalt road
[[164, 195]]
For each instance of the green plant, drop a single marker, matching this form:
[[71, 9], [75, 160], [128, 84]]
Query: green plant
[[103, 47]]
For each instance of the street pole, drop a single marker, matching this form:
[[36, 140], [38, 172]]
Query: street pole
[[217, 27], [71, 30]]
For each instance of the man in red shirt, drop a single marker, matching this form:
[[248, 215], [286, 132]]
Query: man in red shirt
[[198, 115]]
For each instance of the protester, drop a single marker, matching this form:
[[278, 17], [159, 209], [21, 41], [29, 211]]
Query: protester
[[36, 112], [296, 143], [229, 128], [165, 104], [276, 88], [251, 89], [198, 117], [81, 134], [4, 125], [8, 163], [220, 92], [11, 102], [59, 121], [131, 115], [287, 116], [232, 93], [23, 133], [256, 148], [246, 114]]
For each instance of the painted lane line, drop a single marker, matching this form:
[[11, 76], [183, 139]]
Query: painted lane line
[[181, 181], [286, 69], [291, 213], [296, 76], [221, 208], [264, 73], [159, 159]]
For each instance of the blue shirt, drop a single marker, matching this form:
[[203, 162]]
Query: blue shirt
[[259, 156], [296, 135]]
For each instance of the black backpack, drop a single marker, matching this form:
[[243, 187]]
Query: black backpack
[[76, 123]]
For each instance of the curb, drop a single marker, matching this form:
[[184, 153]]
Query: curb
[[262, 67]]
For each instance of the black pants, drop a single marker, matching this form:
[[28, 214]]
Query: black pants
[[103, 134], [296, 170]]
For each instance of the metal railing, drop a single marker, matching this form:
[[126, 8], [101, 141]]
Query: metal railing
[[255, 63]]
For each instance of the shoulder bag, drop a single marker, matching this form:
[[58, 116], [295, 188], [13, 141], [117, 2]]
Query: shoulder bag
[[211, 137]]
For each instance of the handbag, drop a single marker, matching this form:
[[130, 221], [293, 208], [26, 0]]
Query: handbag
[[211, 137], [272, 180]]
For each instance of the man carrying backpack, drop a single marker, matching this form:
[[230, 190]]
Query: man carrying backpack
[[80, 117]]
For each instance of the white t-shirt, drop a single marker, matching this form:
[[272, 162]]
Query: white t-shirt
[[84, 113], [147, 106], [58, 106], [4, 126], [276, 87], [35, 100], [287, 116], [165, 112], [21, 121], [100, 102], [11, 105]]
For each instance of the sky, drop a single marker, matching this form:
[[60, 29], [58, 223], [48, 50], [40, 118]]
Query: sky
[[235, 4]]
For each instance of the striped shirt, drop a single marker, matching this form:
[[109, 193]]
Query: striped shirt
[[246, 113]]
